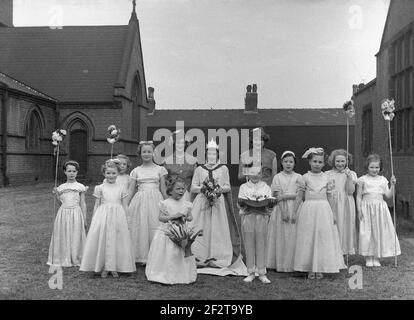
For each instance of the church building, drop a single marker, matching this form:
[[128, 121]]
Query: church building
[[79, 78], [395, 80]]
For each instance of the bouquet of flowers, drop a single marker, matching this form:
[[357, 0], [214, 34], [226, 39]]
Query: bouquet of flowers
[[387, 109], [349, 108], [182, 236], [211, 189]]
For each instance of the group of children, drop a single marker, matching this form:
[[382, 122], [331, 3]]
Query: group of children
[[310, 228]]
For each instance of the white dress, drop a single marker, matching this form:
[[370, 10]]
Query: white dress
[[108, 245], [376, 232], [123, 180], [216, 240], [318, 248], [144, 209], [166, 262], [344, 207], [282, 235], [68, 238]]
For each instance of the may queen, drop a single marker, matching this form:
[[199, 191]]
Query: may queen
[[211, 183]]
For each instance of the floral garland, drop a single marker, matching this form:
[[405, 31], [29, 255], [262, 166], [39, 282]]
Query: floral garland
[[387, 109]]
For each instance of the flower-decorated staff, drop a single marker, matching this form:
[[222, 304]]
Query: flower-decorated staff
[[387, 110], [113, 136]]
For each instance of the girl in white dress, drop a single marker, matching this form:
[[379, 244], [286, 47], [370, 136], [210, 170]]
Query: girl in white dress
[[68, 238], [282, 227], [318, 248], [124, 165], [108, 246], [377, 238], [149, 181], [214, 248], [344, 181], [166, 261], [254, 222]]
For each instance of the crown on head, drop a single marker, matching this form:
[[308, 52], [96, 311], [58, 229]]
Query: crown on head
[[212, 144]]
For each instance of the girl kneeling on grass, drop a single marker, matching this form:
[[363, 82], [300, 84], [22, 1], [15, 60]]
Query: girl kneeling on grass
[[108, 245], [167, 261]]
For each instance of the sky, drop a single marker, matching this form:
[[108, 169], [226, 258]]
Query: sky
[[203, 53]]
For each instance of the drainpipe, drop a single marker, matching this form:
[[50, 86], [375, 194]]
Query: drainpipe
[[4, 101]]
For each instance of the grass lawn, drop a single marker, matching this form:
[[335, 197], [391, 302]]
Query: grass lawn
[[26, 222]]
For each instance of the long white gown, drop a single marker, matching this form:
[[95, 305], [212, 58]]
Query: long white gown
[[282, 235], [166, 261], [376, 232], [144, 209], [108, 246], [344, 205], [216, 241], [318, 248], [68, 238]]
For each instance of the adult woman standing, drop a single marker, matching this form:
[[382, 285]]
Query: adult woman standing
[[258, 154], [181, 164]]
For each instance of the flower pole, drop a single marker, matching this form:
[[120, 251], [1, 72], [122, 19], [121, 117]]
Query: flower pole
[[349, 110], [57, 138], [113, 137], [387, 109]]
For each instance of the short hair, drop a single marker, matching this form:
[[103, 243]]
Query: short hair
[[71, 163], [122, 156], [288, 154], [339, 152], [111, 163], [172, 181], [141, 145], [265, 136], [373, 158], [173, 138]]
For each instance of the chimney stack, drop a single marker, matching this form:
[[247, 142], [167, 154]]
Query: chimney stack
[[250, 102]]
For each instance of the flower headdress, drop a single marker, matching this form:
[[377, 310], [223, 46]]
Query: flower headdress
[[387, 109], [349, 108], [312, 151]]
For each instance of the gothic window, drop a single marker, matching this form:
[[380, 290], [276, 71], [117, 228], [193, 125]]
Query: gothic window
[[33, 131]]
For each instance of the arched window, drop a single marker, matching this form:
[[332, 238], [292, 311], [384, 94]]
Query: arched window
[[136, 101], [33, 131]]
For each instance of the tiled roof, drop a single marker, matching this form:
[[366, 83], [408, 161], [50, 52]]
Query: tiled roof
[[76, 63], [238, 118], [17, 85]]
